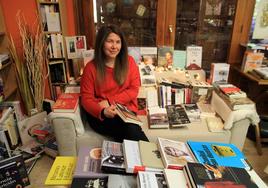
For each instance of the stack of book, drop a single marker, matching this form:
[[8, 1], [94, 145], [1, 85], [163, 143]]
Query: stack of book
[[67, 102]]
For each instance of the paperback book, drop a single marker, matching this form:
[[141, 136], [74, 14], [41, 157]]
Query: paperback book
[[165, 56], [157, 118], [194, 56], [112, 157], [175, 154], [175, 178], [204, 175], [147, 75], [13, 172], [218, 154], [100, 182], [127, 115], [192, 112], [151, 179], [121, 181], [177, 116]]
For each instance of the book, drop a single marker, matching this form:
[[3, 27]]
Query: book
[[149, 55], [150, 155], [66, 102], [194, 56], [204, 175], [219, 154], [53, 21], [219, 72], [175, 178], [61, 172], [127, 115], [165, 56], [135, 53], [262, 71], [206, 110], [90, 182], [151, 179], [4, 146], [13, 172], [121, 181], [157, 118], [201, 91], [252, 60], [175, 154], [179, 59], [133, 160], [112, 157], [89, 163], [147, 75], [192, 112], [177, 116]]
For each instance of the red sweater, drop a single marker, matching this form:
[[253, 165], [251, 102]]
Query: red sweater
[[92, 93]]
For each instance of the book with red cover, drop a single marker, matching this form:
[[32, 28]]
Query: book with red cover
[[67, 102]]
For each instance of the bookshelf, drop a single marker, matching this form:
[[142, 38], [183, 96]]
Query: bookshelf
[[7, 70], [52, 17]]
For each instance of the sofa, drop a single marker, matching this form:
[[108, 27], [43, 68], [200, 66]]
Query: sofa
[[72, 131]]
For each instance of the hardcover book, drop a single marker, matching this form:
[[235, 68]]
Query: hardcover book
[[175, 178], [127, 115], [61, 172], [177, 116], [175, 154], [67, 102], [165, 56], [13, 172], [219, 154], [151, 179], [204, 175], [112, 157]]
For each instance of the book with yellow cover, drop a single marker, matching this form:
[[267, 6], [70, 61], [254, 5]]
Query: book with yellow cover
[[61, 172]]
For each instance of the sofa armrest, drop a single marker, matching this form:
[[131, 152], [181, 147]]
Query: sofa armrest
[[67, 127]]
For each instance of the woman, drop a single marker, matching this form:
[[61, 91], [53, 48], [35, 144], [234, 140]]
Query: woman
[[112, 77]]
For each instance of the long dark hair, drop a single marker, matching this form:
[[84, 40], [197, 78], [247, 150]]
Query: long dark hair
[[121, 61]]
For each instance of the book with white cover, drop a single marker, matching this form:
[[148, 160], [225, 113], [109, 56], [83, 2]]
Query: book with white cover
[[194, 55], [175, 154], [151, 180], [219, 72], [53, 21], [147, 75], [262, 71], [157, 118], [121, 181], [175, 178], [132, 155]]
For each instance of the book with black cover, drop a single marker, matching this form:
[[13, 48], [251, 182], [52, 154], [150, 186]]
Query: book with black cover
[[112, 157], [13, 172], [204, 175], [177, 116], [100, 182]]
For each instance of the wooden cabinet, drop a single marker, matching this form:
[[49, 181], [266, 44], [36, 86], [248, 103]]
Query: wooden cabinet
[[217, 25], [7, 71]]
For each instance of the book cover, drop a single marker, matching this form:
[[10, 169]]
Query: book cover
[[151, 179], [165, 56], [177, 116], [121, 181], [112, 157], [192, 112], [149, 55], [204, 175], [61, 172], [88, 162], [150, 155], [219, 72], [175, 178], [127, 115], [179, 59], [157, 118], [13, 172], [175, 154], [53, 21], [66, 102], [252, 60], [219, 154], [194, 56], [100, 182], [147, 75], [201, 91]]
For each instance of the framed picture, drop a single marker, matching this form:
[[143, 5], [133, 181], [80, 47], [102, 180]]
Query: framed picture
[[75, 46]]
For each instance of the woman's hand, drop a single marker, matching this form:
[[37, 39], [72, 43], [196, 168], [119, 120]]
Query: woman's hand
[[109, 111]]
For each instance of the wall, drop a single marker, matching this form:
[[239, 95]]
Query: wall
[[28, 8]]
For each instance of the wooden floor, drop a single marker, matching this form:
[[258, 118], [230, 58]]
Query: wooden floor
[[41, 169]]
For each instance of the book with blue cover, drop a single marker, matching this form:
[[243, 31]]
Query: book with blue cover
[[218, 154]]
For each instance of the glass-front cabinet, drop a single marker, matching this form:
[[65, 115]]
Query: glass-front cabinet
[[219, 26]]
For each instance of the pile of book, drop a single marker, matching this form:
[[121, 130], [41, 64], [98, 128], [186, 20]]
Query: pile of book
[[66, 102], [167, 163], [233, 96]]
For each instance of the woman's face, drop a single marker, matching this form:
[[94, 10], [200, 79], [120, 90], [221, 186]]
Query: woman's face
[[112, 46]]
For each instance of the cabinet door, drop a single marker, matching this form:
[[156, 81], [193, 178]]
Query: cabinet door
[[207, 23]]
